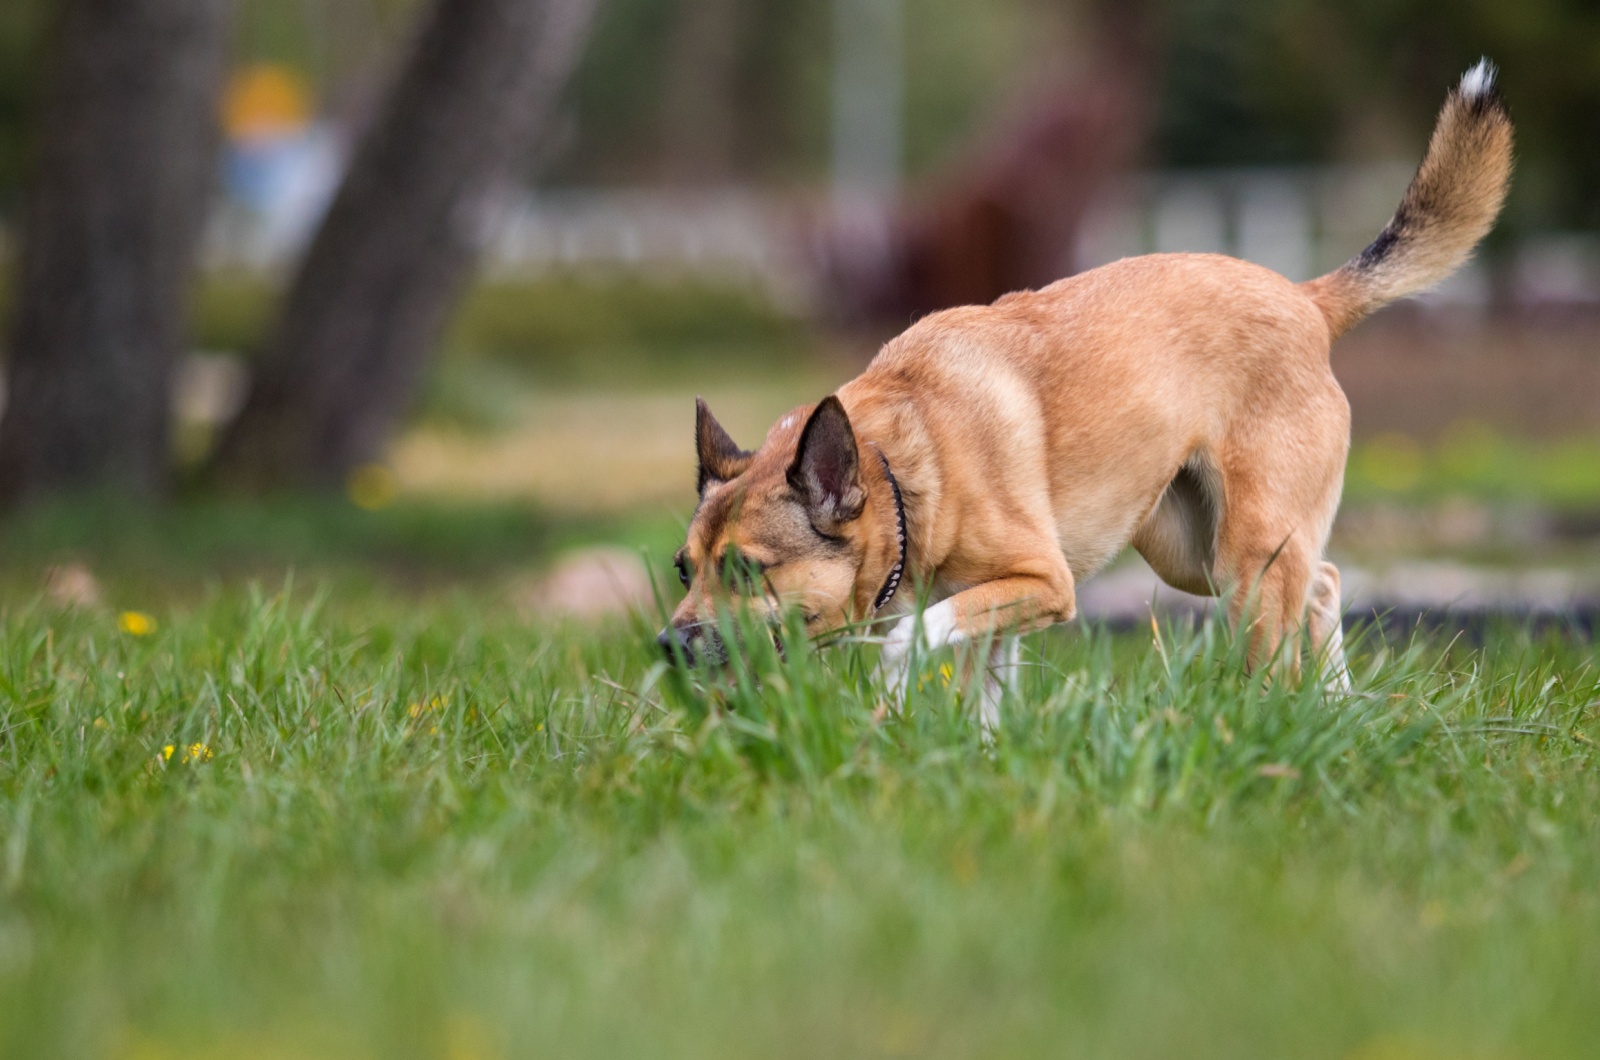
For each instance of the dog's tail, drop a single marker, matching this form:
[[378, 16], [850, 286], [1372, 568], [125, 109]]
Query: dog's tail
[[1451, 204]]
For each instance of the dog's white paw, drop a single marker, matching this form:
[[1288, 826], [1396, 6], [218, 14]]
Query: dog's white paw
[[894, 664], [939, 629]]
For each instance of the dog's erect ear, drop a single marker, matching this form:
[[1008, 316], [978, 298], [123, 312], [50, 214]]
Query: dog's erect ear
[[827, 468], [720, 458]]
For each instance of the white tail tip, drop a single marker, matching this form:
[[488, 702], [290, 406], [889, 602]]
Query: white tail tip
[[1478, 81]]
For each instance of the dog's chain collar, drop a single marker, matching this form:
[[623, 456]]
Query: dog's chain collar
[[891, 584]]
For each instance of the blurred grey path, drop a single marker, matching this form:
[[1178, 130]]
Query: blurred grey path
[[594, 583], [1402, 592]]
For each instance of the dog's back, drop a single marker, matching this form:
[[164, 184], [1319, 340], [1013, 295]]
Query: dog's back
[[1101, 386]]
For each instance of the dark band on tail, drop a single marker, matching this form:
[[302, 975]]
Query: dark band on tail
[[1449, 206]]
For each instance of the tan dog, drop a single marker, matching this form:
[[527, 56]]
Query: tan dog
[[998, 455]]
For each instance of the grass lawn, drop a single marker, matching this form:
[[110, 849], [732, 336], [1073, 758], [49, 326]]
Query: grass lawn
[[383, 823]]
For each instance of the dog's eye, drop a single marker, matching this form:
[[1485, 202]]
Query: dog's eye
[[740, 573], [682, 563]]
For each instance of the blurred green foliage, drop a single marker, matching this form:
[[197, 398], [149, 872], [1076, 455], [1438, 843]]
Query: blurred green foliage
[[1472, 461], [615, 329], [564, 320], [960, 58], [21, 38], [1267, 81], [232, 310], [1240, 81], [168, 552], [335, 43]]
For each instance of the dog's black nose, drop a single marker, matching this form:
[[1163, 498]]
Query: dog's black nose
[[677, 649]]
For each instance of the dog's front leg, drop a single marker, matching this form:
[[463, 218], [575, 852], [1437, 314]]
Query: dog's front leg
[[987, 612]]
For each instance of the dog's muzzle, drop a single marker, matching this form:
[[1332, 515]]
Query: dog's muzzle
[[678, 648], [693, 644]]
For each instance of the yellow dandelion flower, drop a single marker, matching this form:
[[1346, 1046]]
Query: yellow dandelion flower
[[166, 753], [433, 706], [946, 674], [196, 752], [136, 623], [372, 486]]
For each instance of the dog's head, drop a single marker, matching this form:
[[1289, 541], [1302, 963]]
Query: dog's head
[[786, 526]]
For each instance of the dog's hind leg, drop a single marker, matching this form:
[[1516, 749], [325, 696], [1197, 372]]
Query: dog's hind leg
[[1281, 469], [1281, 478], [1324, 613], [1269, 584]]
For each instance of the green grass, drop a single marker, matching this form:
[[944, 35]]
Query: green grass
[[424, 828], [412, 549]]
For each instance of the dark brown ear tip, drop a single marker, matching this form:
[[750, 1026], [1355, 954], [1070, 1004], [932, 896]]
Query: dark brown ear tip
[[720, 457], [829, 411]]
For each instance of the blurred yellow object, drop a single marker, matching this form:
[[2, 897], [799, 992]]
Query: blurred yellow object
[[136, 623], [437, 703], [266, 100], [372, 486], [947, 673]]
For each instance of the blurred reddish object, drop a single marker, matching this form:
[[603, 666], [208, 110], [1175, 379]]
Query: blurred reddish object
[[1010, 219]]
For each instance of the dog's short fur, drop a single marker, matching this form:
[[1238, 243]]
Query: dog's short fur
[[1182, 403]]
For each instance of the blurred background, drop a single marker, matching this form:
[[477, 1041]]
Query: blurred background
[[421, 291]]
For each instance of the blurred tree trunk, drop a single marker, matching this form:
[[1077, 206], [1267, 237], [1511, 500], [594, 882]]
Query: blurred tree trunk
[[126, 153], [370, 301]]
